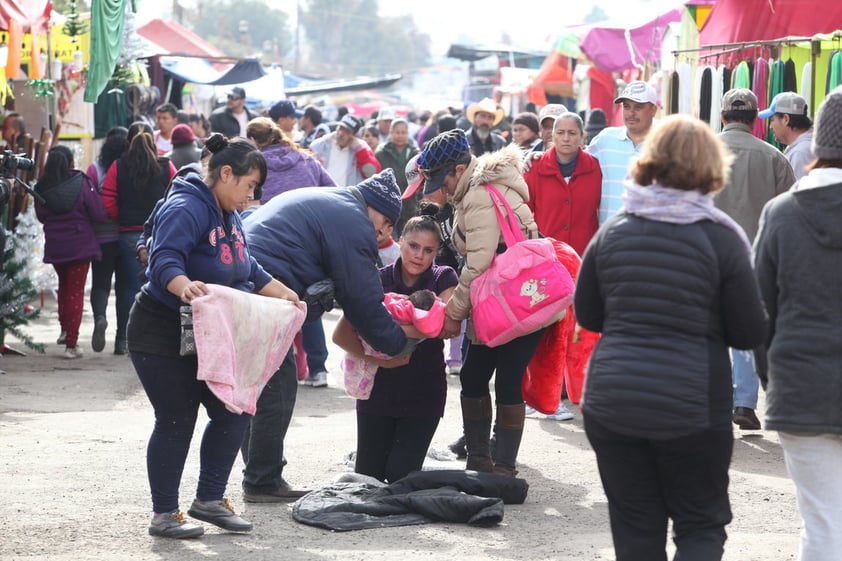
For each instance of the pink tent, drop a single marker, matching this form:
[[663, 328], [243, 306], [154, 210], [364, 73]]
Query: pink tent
[[737, 21], [630, 42]]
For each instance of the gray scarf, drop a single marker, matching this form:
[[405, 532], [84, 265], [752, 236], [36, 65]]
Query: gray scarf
[[676, 206]]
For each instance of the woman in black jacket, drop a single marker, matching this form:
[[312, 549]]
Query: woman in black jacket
[[669, 284]]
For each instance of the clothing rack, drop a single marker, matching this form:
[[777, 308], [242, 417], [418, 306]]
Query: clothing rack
[[728, 48]]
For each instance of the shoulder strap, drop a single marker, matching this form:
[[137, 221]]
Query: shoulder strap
[[511, 229]]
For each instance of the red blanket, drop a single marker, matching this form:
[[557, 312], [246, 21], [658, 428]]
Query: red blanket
[[563, 354]]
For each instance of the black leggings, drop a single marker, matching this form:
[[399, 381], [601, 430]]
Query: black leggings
[[388, 448], [510, 362]]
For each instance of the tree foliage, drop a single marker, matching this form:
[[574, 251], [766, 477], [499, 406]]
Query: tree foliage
[[219, 22], [347, 38]]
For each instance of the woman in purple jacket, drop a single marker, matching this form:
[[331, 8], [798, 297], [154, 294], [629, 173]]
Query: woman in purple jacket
[[287, 166], [71, 204]]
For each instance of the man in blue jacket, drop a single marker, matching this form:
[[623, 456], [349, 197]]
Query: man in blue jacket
[[302, 237]]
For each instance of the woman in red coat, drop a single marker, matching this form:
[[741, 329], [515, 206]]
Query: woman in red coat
[[565, 186]]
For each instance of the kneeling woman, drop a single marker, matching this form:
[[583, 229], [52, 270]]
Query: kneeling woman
[[396, 424]]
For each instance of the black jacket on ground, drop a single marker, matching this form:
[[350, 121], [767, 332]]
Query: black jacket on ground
[[419, 498]]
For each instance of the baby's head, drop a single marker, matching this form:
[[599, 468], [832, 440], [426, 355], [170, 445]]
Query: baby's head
[[422, 299]]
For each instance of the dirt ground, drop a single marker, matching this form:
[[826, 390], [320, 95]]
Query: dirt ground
[[72, 464]]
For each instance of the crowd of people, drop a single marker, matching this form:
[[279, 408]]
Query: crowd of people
[[704, 262]]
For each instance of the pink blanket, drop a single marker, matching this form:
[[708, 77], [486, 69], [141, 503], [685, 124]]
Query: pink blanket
[[429, 322], [241, 340]]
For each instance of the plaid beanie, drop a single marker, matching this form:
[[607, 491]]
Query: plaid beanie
[[827, 135], [446, 148], [381, 192]]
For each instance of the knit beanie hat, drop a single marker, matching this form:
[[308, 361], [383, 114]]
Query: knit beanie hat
[[528, 120], [827, 135], [381, 192], [182, 134]]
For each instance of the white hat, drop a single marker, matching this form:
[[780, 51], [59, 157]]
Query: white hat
[[639, 92]]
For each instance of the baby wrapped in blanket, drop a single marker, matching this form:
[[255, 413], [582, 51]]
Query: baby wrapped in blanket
[[422, 309]]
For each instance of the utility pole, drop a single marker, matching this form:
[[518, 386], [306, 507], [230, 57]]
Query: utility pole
[[297, 33]]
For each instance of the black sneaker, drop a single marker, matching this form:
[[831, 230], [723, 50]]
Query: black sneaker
[[746, 419], [173, 525], [219, 513], [98, 338]]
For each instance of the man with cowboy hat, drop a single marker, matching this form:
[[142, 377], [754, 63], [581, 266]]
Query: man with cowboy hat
[[483, 116]]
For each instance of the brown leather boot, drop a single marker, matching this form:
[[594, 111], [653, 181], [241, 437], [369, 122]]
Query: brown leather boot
[[509, 433], [476, 423]]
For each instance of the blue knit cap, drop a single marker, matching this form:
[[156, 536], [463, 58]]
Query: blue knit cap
[[440, 156], [381, 192]]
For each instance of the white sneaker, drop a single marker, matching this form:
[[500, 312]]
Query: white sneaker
[[73, 352], [529, 410], [317, 380], [561, 414]]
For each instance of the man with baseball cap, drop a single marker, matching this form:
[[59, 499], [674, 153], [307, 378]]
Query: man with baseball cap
[[759, 173], [347, 159], [285, 115], [791, 126], [232, 119], [615, 147], [546, 119]]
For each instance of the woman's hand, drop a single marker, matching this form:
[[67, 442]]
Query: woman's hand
[[193, 289], [276, 289], [529, 158], [451, 328]]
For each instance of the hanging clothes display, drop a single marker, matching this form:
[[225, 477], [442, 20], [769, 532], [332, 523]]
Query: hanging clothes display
[[717, 91], [741, 76], [685, 88], [834, 72], [790, 77], [706, 93], [776, 86], [759, 81], [807, 83], [675, 82], [107, 23]]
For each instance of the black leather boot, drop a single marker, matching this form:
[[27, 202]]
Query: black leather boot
[[476, 422], [509, 434]]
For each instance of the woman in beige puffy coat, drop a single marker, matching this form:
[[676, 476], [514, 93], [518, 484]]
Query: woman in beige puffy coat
[[451, 171]]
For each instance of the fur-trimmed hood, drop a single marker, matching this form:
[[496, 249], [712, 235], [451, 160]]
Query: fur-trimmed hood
[[503, 167]]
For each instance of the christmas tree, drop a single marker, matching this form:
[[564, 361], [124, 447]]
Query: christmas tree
[[16, 285]]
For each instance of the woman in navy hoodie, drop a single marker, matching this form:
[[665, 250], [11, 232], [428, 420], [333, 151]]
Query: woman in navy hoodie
[[71, 204], [198, 239]]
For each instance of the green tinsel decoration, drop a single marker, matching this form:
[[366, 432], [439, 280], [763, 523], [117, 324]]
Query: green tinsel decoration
[[42, 88]]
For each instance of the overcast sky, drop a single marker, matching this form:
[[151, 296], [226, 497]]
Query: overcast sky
[[530, 24]]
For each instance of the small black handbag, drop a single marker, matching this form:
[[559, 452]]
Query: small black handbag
[[188, 341]]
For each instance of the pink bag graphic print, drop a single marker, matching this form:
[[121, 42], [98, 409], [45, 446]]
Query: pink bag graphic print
[[525, 288]]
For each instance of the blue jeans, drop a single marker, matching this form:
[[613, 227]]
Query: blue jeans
[[129, 269], [175, 393], [263, 445], [314, 345], [746, 382]]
